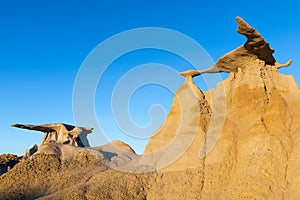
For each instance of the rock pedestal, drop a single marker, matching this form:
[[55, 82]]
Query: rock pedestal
[[61, 133]]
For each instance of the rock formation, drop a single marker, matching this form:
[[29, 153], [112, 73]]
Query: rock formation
[[255, 47], [182, 132], [30, 152], [7, 162], [240, 140], [257, 150], [61, 133], [117, 154]]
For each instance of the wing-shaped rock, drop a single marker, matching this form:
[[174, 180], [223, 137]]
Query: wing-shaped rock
[[255, 44], [255, 48], [61, 133]]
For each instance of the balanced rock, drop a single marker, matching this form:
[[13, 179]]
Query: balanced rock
[[60, 133], [254, 48]]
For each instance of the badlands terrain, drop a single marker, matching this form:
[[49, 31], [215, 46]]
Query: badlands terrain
[[240, 140]]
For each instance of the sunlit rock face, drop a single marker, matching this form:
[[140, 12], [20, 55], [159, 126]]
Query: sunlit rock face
[[240, 140], [257, 150]]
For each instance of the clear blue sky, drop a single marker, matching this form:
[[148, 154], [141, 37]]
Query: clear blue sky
[[43, 44]]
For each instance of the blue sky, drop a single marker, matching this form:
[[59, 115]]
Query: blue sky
[[43, 44]]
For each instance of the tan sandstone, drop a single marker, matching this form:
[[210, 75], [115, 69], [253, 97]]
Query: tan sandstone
[[240, 140]]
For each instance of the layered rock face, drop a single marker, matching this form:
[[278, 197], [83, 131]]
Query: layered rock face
[[240, 140], [181, 137], [257, 149], [258, 146]]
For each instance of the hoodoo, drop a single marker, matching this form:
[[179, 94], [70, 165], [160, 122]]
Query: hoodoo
[[60, 133], [255, 46]]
